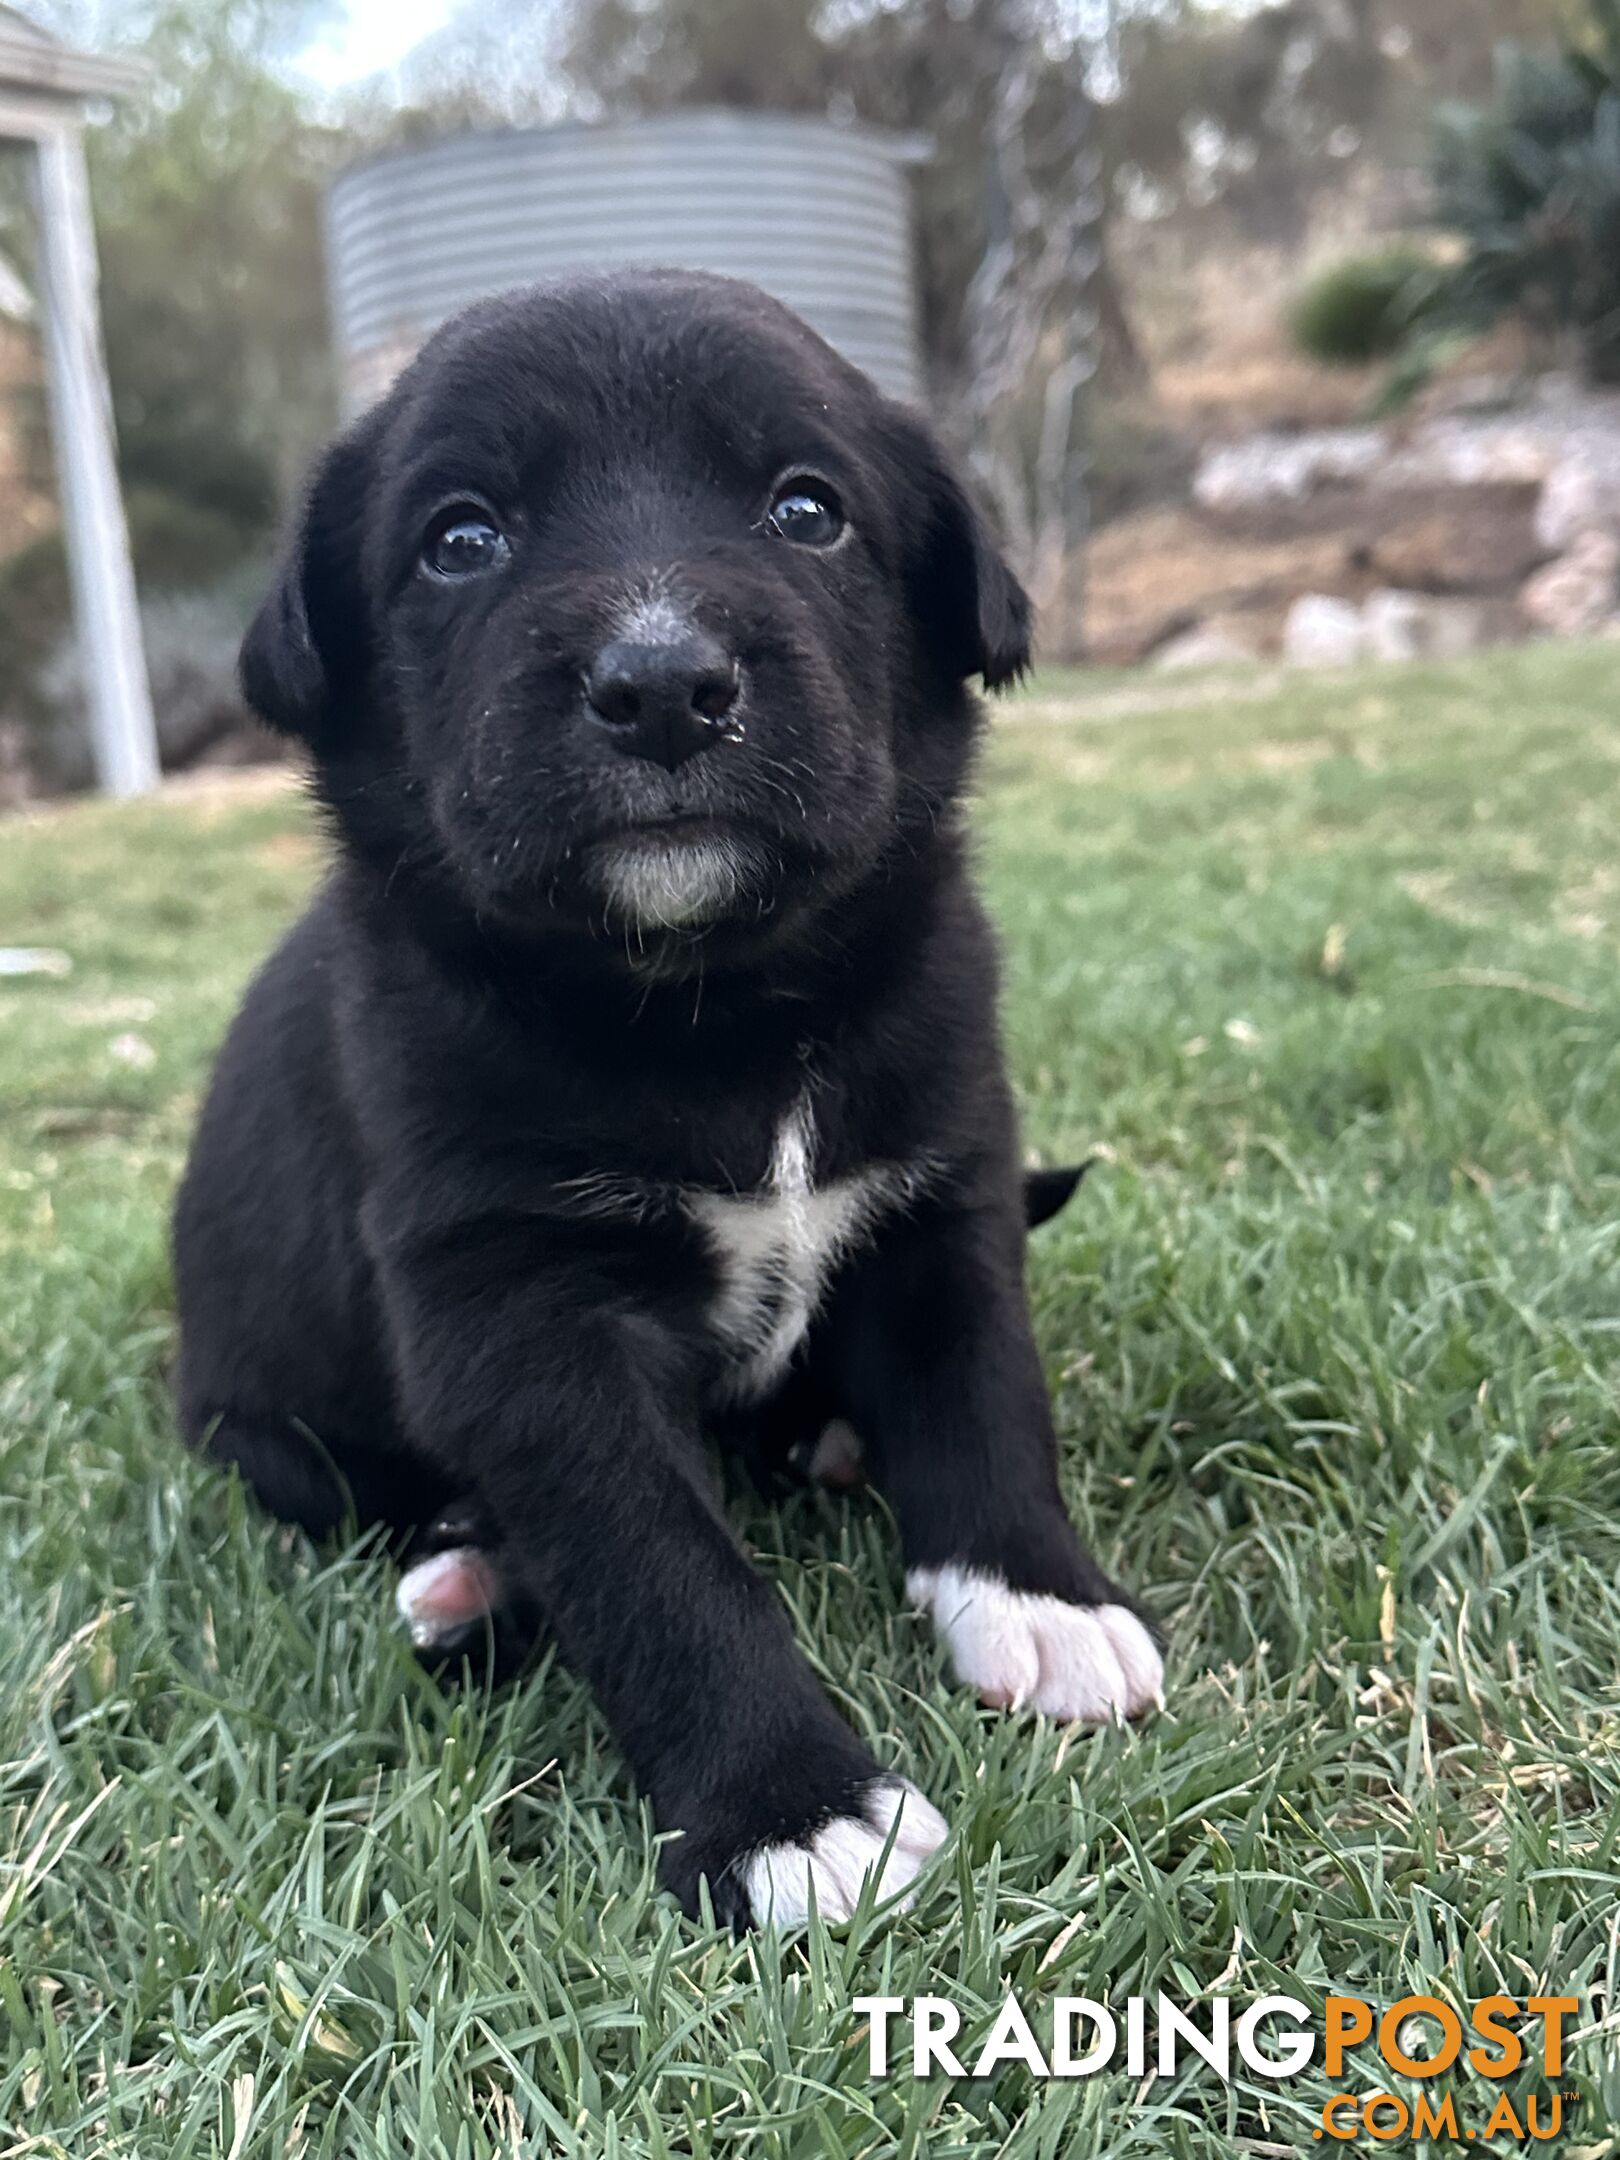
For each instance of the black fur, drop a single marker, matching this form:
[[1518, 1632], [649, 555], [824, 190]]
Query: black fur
[[1048, 1192], [435, 1245]]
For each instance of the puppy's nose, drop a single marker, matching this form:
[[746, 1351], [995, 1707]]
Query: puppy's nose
[[664, 701]]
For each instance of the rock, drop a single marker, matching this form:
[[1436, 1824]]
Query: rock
[[1573, 501], [1580, 591], [16, 779], [1581, 494], [34, 960], [1451, 452], [1323, 632], [1416, 626], [1286, 468], [1562, 437], [1392, 624], [1210, 645], [1453, 540], [1159, 573]]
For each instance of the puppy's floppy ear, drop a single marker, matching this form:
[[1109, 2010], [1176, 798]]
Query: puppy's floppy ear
[[975, 611], [307, 649]]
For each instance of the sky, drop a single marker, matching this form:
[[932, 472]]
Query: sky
[[368, 35]]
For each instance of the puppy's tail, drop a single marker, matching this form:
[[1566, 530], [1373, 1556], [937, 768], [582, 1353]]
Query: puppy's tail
[[1048, 1192]]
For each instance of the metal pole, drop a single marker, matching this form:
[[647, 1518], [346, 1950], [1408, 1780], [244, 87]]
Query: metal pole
[[103, 578]]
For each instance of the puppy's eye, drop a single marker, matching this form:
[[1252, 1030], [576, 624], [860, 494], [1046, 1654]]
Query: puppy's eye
[[806, 511], [463, 542]]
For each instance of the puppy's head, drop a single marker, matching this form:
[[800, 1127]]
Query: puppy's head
[[635, 613]]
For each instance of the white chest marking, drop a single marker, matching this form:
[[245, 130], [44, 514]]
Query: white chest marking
[[776, 1249]]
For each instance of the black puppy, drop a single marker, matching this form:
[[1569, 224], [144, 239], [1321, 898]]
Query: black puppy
[[639, 1059]]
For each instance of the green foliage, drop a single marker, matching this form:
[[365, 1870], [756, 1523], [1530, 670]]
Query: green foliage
[[1366, 308], [177, 546], [1416, 365], [206, 186], [208, 196], [926, 67], [1531, 181], [1330, 977]]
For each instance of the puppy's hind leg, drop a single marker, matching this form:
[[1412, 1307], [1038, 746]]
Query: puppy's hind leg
[[456, 1600], [301, 1477], [805, 1424]]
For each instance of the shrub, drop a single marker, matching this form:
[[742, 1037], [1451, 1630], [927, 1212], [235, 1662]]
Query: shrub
[[195, 570], [190, 639], [177, 547], [1530, 180], [1367, 307]]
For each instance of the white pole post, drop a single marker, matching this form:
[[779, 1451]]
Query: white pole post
[[103, 577]]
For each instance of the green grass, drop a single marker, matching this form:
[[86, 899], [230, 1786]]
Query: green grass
[[1328, 978]]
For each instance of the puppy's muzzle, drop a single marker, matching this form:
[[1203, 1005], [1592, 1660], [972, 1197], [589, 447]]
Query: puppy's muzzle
[[668, 700]]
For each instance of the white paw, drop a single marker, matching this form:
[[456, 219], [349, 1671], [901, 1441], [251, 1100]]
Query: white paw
[[837, 1860], [1095, 1663], [448, 1591], [838, 1459]]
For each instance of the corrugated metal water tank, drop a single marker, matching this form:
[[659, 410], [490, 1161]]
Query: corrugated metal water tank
[[817, 214]]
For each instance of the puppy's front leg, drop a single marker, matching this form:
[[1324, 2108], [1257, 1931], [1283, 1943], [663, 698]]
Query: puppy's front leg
[[566, 1421], [937, 1366]]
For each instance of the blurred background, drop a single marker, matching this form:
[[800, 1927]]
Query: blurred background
[[1272, 333]]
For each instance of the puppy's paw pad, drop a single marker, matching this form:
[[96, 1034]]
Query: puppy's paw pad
[[838, 1460], [836, 1860], [447, 1592], [1091, 1663]]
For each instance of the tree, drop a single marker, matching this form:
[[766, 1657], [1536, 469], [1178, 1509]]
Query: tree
[[207, 197], [1032, 325], [1450, 46], [1530, 179], [1251, 116], [625, 56], [1013, 271]]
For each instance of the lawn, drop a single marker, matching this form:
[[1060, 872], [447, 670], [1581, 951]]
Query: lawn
[[1325, 975]]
